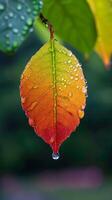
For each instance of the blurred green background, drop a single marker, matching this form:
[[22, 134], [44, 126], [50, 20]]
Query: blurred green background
[[84, 169]]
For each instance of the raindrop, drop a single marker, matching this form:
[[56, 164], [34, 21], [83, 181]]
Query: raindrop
[[10, 25], [70, 53], [84, 90], [11, 14], [15, 30], [55, 156], [2, 7], [81, 114], [22, 17], [31, 122], [31, 30], [29, 10], [69, 61], [29, 22], [83, 107], [71, 77], [23, 99], [33, 105], [19, 7], [70, 94]]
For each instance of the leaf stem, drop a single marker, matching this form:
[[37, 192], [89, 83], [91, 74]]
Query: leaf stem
[[48, 24]]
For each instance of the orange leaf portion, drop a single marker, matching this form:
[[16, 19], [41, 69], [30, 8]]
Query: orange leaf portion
[[53, 93]]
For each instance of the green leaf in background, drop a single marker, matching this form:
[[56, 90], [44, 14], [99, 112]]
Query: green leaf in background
[[103, 14], [16, 20], [43, 32], [73, 21]]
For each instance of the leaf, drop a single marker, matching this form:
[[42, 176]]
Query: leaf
[[16, 20], [73, 21], [53, 93], [103, 14], [42, 32]]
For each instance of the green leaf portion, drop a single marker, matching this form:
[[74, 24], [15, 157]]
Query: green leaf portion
[[103, 15], [16, 20], [43, 32], [73, 21]]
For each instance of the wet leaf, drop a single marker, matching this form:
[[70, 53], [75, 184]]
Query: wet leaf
[[16, 20], [103, 14], [73, 21], [53, 93]]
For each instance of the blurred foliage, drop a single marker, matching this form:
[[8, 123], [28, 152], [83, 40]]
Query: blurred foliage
[[73, 21], [16, 19], [103, 14]]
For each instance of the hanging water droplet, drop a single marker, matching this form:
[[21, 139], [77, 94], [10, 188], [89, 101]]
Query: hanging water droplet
[[55, 156], [19, 7], [2, 7]]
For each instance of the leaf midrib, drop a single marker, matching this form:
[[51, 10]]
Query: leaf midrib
[[54, 75]]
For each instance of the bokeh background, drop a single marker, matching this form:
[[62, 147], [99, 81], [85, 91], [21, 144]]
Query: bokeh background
[[84, 170]]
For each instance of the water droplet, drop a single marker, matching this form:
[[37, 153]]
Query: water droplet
[[55, 156], [76, 79], [10, 25], [77, 87], [15, 30], [11, 14], [31, 122], [29, 22], [71, 77], [29, 10], [69, 61], [32, 106], [19, 7], [31, 30], [81, 114], [84, 90], [70, 94], [2, 7], [83, 107], [23, 99], [35, 87], [70, 53], [22, 17]]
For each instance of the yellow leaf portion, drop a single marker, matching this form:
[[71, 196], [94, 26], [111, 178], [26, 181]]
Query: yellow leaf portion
[[102, 10]]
